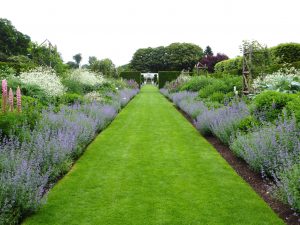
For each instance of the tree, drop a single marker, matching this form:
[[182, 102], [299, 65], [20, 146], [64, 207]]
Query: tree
[[141, 60], [210, 61], [176, 56], [77, 59], [107, 68], [208, 51], [12, 42], [92, 59], [181, 56], [104, 66], [72, 65]]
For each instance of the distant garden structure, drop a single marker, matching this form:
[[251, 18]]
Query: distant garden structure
[[150, 78]]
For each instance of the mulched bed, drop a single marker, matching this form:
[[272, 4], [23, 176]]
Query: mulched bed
[[254, 179]]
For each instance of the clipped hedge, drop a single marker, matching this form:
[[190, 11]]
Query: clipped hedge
[[131, 75], [231, 66], [164, 76], [286, 52]]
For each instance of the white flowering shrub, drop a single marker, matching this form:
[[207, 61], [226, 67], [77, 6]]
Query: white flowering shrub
[[284, 80], [86, 77], [46, 79], [93, 96]]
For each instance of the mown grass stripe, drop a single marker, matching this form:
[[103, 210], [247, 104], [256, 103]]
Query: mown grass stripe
[[151, 166]]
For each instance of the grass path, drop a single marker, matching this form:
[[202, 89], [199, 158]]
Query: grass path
[[150, 166]]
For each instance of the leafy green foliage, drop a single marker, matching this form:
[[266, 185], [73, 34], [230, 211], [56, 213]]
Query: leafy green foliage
[[14, 122], [176, 56], [269, 104], [30, 90], [293, 107], [182, 56], [12, 41], [70, 98], [223, 85], [246, 124], [233, 66], [6, 71], [196, 83], [42, 55], [104, 66], [165, 76], [286, 52], [11, 123], [260, 56]]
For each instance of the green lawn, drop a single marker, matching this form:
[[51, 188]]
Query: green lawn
[[151, 166]]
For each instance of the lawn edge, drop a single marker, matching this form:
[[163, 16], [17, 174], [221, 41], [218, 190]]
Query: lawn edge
[[254, 179]]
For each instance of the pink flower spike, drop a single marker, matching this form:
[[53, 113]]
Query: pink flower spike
[[11, 100], [4, 95], [19, 97], [4, 87]]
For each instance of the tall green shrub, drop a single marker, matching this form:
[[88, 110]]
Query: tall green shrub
[[286, 52], [131, 75], [231, 66], [164, 76]]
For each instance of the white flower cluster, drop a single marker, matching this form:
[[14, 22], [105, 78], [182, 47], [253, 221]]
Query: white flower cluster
[[86, 77], [93, 96], [45, 78], [284, 80], [182, 78]]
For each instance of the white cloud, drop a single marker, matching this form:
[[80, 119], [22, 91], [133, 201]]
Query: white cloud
[[116, 29]]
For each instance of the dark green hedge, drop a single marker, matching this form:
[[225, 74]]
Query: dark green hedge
[[132, 75], [164, 76]]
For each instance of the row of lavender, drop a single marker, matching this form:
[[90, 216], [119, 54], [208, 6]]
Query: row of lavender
[[271, 148], [32, 162]]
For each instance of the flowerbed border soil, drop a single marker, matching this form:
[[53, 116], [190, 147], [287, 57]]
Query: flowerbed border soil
[[254, 179]]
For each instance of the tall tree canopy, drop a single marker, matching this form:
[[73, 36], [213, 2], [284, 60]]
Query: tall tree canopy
[[104, 66], [208, 51], [176, 56], [12, 41], [77, 59]]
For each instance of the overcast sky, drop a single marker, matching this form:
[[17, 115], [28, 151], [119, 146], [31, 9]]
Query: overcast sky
[[115, 29]]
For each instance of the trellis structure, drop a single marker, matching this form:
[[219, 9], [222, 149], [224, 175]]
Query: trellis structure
[[50, 47], [254, 54], [247, 69], [200, 67]]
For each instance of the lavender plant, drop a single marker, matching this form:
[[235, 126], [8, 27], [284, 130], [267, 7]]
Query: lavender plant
[[30, 165], [222, 122], [275, 151], [165, 92], [179, 96], [126, 95], [192, 107]]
